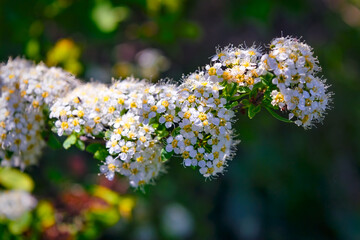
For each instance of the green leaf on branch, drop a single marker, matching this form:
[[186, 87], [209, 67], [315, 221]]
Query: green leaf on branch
[[253, 110], [94, 147], [267, 79], [176, 132], [80, 144], [234, 98], [232, 105], [108, 134], [53, 141], [162, 133], [166, 155], [15, 179], [253, 93], [245, 102], [71, 140], [231, 89], [21, 224], [101, 154], [277, 116]]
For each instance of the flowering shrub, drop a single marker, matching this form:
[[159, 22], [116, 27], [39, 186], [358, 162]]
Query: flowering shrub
[[134, 126]]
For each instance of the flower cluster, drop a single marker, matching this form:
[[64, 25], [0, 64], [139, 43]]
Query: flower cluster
[[236, 64], [14, 203], [298, 89], [124, 111], [26, 90], [204, 137], [142, 124]]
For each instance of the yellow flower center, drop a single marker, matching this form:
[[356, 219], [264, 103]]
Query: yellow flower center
[[111, 167], [97, 119], [212, 71], [202, 116], [111, 109], [165, 103], [187, 115], [80, 113], [64, 125], [124, 149], [191, 98], [121, 101], [169, 118]]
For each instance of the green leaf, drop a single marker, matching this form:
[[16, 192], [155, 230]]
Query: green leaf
[[166, 155], [231, 89], [53, 141], [12, 178], [162, 133], [232, 105], [267, 79], [80, 145], [277, 116], [254, 93], [253, 110], [234, 98], [108, 134], [71, 140], [245, 102], [155, 125], [94, 147], [101, 154], [176, 132], [20, 225]]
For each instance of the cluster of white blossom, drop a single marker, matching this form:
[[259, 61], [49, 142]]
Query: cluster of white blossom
[[25, 90], [298, 89], [124, 111], [144, 124], [236, 64], [204, 137], [15, 203]]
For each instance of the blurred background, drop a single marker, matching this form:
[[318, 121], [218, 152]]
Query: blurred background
[[285, 183]]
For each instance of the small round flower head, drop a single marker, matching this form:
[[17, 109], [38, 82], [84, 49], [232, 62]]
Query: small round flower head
[[298, 90], [289, 54], [26, 90], [135, 152], [84, 110], [205, 135], [43, 85], [15, 203], [236, 64]]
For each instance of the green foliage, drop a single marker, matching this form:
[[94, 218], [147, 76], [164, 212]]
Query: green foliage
[[12, 178], [253, 110], [277, 116], [165, 156], [99, 151], [20, 225], [53, 141], [69, 141]]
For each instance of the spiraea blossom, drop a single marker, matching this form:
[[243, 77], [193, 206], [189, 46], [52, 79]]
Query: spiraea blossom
[[124, 111], [299, 90], [204, 138], [15, 203], [141, 125], [26, 89], [236, 64]]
